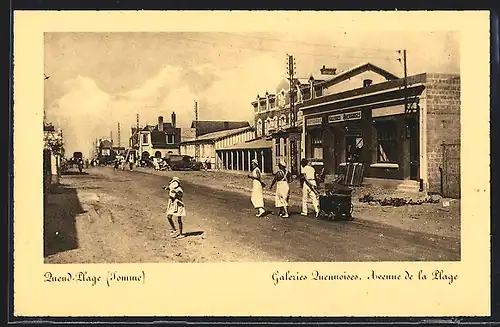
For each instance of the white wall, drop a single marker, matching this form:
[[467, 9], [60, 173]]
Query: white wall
[[355, 82]]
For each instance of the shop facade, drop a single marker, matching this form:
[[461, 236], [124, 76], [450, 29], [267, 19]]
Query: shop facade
[[237, 157], [389, 127]]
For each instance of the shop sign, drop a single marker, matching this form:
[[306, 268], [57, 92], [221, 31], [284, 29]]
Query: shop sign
[[355, 115], [314, 121]]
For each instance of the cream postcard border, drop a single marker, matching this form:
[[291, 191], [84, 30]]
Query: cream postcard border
[[247, 288]]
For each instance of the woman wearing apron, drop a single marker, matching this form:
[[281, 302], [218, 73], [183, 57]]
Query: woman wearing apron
[[175, 207], [282, 179], [257, 185]]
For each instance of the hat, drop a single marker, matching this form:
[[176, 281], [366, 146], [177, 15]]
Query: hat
[[255, 161], [175, 179], [282, 163]]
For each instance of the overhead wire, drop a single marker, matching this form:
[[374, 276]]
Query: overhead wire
[[309, 43], [178, 40]]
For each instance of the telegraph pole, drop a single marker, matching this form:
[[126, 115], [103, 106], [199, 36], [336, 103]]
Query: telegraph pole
[[119, 136], [405, 80], [291, 78], [196, 146]]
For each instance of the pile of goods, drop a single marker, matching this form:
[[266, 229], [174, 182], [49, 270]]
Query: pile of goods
[[397, 202]]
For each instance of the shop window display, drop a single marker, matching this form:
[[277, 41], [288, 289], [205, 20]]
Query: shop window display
[[387, 142]]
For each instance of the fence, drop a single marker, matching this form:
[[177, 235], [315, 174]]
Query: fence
[[450, 171]]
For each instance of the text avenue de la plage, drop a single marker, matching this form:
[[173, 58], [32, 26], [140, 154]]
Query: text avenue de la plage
[[279, 277]]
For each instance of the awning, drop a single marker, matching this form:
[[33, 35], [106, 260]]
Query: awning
[[254, 144]]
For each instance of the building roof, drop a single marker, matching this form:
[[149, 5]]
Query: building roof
[[261, 143], [340, 77], [385, 87], [217, 135], [187, 134], [155, 127], [210, 126]]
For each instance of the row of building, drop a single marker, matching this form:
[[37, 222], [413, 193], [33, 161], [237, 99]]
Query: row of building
[[402, 129]]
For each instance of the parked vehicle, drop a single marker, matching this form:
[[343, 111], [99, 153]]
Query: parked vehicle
[[183, 162]]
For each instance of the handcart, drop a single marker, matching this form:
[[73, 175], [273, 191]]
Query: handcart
[[336, 202]]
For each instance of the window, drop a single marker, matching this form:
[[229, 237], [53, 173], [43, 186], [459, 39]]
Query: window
[[317, 145], [316, 139], [282, 121], [354, 146], [386, 142], [144, 138], [284, 146], [259, 128], [278, 147], [319, 92], [267, 125], [170, 138]]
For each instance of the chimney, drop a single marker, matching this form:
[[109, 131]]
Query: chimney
[[328, 71], [367, 82], [311, 86], [160, 123], [267, 100], [173, 119]]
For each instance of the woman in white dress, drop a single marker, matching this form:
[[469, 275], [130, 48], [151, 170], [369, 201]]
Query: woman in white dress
[[175, 206], [257, 185], [282, 178]]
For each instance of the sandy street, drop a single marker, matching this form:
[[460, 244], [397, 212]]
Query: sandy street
[[108, 216]]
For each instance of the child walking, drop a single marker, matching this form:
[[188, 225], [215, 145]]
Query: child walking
[[175, 207]]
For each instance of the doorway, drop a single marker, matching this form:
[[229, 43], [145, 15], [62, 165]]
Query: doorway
[[413, 136]]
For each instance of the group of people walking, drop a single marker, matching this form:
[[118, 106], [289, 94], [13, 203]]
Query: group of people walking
[[282, 180]]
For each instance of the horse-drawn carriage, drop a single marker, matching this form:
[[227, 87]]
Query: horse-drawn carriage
[[76, 162]]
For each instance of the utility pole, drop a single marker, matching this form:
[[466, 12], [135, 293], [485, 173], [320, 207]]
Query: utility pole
[[196, 146], [291, 78], [405, 80], [119, 135]]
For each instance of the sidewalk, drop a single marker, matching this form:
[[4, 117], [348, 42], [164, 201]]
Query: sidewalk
[[432, 218]]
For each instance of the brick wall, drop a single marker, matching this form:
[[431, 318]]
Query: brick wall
[[443, 123]]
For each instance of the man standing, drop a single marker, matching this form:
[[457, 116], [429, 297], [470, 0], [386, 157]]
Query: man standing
[[308, 187]]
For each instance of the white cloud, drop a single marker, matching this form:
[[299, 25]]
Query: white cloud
[[85, 112]]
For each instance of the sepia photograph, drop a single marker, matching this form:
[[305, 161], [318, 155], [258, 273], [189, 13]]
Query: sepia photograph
[[221, 147], [263, 163]]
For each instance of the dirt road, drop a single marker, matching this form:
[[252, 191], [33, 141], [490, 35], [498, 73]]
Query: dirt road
[[108, 216]]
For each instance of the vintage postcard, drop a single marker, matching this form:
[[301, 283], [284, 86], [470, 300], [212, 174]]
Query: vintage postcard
[[251, 164]]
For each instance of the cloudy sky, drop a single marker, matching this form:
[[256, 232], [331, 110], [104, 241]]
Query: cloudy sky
[[100, 79]]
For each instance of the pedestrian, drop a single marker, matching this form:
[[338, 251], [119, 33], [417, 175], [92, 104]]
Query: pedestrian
[[131, 161], [175, 207], [282, 179], [308, 178], [156, 165], [257, 185]]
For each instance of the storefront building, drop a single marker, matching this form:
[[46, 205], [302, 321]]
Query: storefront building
[[397, 131], [238, 156], [209, 143]]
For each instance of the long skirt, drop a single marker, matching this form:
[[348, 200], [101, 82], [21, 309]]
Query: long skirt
[[282, 192], [257, 197]]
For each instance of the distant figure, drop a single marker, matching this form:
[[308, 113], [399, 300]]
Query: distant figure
[[156, 165], [282, 178], [308, 177], [257, 185], [131, 162], [175, 207]]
